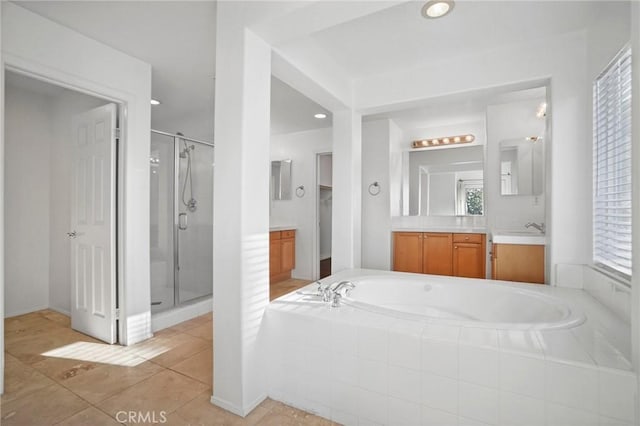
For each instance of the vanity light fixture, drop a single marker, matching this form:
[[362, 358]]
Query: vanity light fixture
[[449, 140], [155, 102], [533, 138], [437, 8], [320, 115]]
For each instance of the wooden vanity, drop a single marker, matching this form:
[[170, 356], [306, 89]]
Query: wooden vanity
[[440, 253], [518, 262], [282, 254]]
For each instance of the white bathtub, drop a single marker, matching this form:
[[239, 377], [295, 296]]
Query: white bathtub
[[474, 303], [408, 349]]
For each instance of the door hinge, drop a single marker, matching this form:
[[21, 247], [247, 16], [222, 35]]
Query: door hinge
[[116, 132], [117, 313]]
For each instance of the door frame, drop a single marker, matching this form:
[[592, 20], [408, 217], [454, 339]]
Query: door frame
[[315, 270], [108, 94]]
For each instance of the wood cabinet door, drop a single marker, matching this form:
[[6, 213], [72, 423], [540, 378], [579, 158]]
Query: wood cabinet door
[[275, 257], [436, 254], [468, 260], [515, 262], [407, 252], [288, 254]]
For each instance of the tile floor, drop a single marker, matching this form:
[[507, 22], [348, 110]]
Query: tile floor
[[56, 376]]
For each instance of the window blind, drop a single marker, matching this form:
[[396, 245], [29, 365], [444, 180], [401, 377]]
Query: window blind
[[612, 166]]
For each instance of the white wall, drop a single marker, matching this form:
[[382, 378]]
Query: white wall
[[29, 122], [511, 121], [301, 148], [39, 46], [376, 210]]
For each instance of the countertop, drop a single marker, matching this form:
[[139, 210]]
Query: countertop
[[452, 229], [282, 228]]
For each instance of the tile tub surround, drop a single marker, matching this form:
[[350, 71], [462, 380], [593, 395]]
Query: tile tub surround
[[359, 367]]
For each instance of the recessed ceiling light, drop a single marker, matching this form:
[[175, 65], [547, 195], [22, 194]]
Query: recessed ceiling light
[[155, 102], [437, 8], [320, 115]]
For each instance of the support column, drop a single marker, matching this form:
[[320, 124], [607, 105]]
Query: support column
[[241, 210], [346, 246]]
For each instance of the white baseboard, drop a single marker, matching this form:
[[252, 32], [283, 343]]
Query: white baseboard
[[239, 411], [9, 314]]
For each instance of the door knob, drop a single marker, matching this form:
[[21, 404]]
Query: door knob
[[72, 234]]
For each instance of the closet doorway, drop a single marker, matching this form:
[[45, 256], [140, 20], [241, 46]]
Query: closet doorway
[[324, 212]]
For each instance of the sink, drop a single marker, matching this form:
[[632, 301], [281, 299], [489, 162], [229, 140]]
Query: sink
[[519, 237]]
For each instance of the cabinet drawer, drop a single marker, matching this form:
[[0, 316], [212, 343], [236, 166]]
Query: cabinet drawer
[[275, 235], [288, 234], [467, 238]]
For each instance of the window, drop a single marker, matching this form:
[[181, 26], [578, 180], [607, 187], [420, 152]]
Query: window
[[469, 197], [612, 166]]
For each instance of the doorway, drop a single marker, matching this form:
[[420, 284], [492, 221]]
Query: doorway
[[324, 212], [60, 204]]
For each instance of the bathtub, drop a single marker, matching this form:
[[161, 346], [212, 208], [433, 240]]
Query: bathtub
[[473, 303], [410, 349]]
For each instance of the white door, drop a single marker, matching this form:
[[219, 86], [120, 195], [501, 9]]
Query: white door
[[92, 234]]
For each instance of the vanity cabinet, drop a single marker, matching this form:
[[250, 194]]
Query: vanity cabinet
[[282, 254], [436, 253], [440, 253], [407, 252], [518, 262], [469, 255]]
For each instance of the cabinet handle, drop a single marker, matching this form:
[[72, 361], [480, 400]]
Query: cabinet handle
[[455, 247], [466, 238]]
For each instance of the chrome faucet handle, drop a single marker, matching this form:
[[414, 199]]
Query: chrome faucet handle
[[324, 290], [336, 300], [337, 288]]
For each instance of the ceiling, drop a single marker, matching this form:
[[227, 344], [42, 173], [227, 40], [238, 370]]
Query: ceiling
[[399, 37], [178, 39]]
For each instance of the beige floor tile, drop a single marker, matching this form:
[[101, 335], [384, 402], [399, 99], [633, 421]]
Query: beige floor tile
[[57, 317], [199, 367], [164, 391], [31, 349], [204, 331], [61, 369], [107, 380], [89, 417], [21, 379], [182, 346], [200, 411], [44, 407]]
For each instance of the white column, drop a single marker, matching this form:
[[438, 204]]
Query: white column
[[1, 215], [347, 190], [241, 210]]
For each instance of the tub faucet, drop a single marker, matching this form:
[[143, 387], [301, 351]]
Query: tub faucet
[[539, 226], [336, 289]]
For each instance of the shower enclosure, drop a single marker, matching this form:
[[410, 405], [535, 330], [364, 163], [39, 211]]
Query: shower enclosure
[[181, 171]]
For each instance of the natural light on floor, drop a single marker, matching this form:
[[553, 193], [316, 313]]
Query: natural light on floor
[[109, 354]]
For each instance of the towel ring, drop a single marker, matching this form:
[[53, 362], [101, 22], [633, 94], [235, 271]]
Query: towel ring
[[374, 188], [300, 191]]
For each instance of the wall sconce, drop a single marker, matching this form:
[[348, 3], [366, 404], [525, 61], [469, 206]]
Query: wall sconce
[[449, 140]]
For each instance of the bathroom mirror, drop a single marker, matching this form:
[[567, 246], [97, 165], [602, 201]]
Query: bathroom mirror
[[281, 180], [522, 166], [447, 182]]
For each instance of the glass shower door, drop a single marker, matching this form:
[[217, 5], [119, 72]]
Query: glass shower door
[[162, 254], [194, 220]]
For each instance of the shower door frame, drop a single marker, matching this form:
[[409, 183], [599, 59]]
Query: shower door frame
[[176, 209]]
